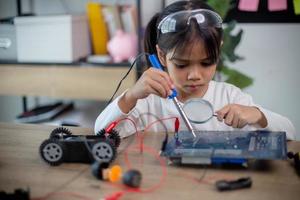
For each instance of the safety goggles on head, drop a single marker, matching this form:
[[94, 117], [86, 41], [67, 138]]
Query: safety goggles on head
[[180, 20]]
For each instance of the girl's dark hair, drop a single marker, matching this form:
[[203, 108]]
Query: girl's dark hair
[[211, 37]]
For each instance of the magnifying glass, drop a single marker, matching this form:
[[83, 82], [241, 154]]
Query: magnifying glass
[[198, 110]]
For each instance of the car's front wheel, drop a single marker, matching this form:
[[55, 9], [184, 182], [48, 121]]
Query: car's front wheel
[[104, 151]]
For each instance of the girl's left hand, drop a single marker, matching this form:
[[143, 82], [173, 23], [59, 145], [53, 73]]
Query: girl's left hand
[[238, 116]]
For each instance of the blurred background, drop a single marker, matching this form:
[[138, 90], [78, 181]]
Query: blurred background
[[269, 46]]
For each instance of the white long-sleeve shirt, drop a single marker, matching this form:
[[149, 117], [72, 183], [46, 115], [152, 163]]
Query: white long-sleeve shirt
[[218, 94]]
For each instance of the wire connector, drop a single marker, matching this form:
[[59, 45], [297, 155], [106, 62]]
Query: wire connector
[[114, 196], [111, 126]]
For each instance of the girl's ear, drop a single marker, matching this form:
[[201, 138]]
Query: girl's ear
[[161, 56]]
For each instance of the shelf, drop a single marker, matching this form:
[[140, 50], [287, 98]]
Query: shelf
[[79, 63], [63, 81]]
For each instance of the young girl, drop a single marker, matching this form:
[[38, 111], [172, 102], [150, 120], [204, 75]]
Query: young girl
[[186, 37]]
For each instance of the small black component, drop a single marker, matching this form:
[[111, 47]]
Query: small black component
[[164, 143], [19, 194], [97, 169], [132, 178], [296, 157], [224, 185]]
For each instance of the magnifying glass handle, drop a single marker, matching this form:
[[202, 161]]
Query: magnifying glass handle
[[155, 63]]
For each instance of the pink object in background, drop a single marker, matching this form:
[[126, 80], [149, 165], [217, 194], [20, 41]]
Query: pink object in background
[[123, 46], [277, 5], [248, 5]]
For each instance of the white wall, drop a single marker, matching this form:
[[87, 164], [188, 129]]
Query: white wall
[[272, 58]]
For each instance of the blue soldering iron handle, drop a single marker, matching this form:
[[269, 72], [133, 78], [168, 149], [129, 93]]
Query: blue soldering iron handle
[[156, 64]]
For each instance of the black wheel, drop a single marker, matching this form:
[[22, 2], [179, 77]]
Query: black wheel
[[104, 151], [113, 136], [52, 151], [60, 132]]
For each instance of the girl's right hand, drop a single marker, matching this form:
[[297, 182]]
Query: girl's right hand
[[152, 81]]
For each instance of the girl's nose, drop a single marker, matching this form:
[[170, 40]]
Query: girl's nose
[[194, 73]]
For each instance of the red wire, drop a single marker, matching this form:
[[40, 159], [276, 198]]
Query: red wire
[[115, 196], [141, 146], [141, 136], [138, 135], [159, 120], [177, 124], [151, 151]]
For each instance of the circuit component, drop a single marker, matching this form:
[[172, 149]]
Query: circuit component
[[218, 147]]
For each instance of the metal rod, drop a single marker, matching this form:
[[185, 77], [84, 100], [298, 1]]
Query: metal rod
[[139, 65], [156, 64], [19, 8], [24, 101], [183, 115]]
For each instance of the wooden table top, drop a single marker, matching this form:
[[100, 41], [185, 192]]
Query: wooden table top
[[22, 167]]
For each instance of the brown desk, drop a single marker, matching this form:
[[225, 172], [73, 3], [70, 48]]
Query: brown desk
[[21, 167]]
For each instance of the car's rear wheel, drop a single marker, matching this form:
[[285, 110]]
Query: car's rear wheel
[[52, 152]]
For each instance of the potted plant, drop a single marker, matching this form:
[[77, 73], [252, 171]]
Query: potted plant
[[230, 42]]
